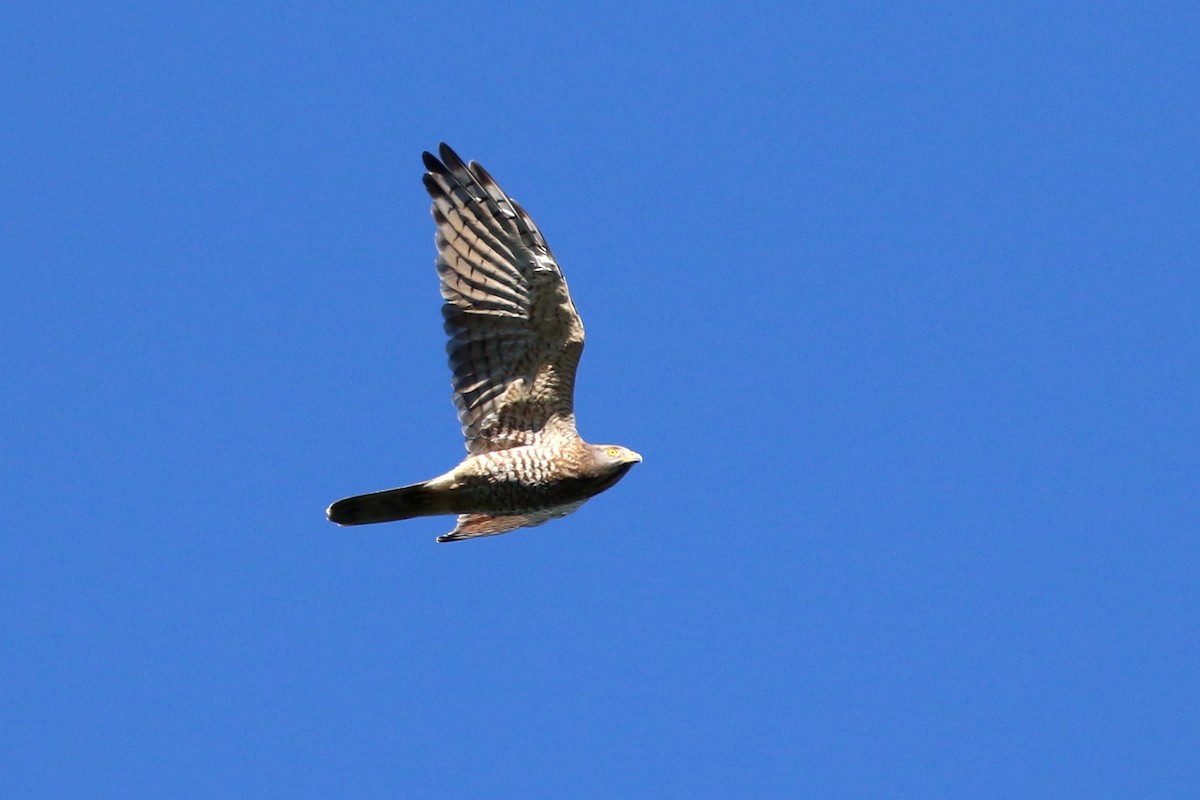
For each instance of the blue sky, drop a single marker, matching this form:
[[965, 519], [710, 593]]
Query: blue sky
[[900, 302]]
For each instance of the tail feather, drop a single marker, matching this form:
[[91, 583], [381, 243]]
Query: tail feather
[[386, 506]]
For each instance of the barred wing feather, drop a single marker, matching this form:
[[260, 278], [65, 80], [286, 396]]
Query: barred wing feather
[[515, 337]]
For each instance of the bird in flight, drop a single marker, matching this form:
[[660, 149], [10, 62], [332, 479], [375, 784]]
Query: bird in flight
[[515, 342]]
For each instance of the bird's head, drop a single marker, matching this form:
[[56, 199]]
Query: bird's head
[[614, 458]]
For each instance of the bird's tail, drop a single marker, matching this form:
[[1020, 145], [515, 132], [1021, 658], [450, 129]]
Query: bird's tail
[[393, 504]]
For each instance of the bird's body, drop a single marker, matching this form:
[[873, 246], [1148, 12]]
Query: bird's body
[[515, 343]]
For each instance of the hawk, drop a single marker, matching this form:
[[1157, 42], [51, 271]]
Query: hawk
[[515, 342]]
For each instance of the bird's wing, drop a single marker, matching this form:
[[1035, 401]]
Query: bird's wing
[[515, 337], [471, 526]]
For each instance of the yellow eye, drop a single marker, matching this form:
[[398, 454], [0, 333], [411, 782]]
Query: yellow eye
[[612, 451]]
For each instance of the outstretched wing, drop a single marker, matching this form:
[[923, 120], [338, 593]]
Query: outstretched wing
[[515, 337]]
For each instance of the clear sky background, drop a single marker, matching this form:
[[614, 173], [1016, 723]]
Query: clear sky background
[[900, 302]]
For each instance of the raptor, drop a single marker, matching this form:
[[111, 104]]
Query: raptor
[[515, 343]]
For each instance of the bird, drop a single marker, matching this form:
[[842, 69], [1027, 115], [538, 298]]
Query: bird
[[515, 340]]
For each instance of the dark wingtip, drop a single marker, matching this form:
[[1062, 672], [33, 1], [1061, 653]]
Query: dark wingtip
[[431, 162], [450, 158], [431, 185], [481, 174]]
